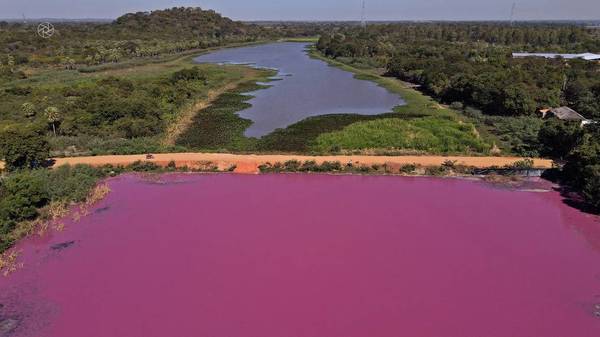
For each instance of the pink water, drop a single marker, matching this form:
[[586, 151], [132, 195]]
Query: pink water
[[304, 256]]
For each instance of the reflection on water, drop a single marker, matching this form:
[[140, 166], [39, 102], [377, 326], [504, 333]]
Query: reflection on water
[[307, 87]]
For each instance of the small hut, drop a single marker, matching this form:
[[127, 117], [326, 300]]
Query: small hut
[[563, 113], [566, 114]]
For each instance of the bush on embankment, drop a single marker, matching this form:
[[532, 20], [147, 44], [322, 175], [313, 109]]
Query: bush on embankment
[[24, 194], [310, 166]]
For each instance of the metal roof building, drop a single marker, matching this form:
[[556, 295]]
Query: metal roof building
[[584, 56]]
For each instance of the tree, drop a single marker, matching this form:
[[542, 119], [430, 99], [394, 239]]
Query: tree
[[582, 170], [591, 187], [28, 109], [53, 115], [516, 100], [21, 195], [558, 138], [11, 63], [23, 147]]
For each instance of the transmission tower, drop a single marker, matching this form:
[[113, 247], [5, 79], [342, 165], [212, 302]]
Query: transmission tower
[[363, 16], [513, 12]]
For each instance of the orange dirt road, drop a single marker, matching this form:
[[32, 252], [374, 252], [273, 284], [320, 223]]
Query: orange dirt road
[[250, 163]]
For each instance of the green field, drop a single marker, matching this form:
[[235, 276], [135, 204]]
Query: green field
[[425, 135]]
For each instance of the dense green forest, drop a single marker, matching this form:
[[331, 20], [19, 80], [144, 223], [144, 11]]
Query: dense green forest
[[472, 63]]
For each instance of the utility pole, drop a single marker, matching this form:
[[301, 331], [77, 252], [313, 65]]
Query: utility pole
[[363, 17], [513, 12]]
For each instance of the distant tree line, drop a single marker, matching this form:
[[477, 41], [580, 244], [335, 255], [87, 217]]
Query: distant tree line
[[472, 63]]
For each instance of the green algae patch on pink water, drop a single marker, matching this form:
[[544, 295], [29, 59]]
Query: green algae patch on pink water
[[311, 256]]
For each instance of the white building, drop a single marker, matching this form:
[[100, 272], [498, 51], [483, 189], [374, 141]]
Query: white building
[[584, 56]]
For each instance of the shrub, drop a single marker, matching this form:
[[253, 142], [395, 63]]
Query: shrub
[[524, 164], [591, 187], [310, 166], [73, 183], [143, 166], [449, 164], [408, 169], [292, 165], [23, 147], [436, 170], [21, 195], [24, 193], [328, 166], [188, 74]]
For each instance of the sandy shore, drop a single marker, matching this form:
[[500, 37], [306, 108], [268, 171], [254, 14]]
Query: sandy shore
[[250, 163]]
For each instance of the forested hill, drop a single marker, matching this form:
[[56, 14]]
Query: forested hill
[[181, 23], [135, 35]]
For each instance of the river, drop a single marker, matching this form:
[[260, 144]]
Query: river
[[305, 87]]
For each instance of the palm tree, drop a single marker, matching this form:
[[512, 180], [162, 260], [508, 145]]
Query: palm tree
[[11, 63], [53, 115], [28, 109]]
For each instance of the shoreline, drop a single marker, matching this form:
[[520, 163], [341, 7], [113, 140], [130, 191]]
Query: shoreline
[[250, 163]]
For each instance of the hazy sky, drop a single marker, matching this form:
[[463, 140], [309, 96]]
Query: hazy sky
[[315, 9]]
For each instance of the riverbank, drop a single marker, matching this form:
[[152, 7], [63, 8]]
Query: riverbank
[[251, 163]]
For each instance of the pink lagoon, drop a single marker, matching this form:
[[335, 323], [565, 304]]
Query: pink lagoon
[[311, 256]]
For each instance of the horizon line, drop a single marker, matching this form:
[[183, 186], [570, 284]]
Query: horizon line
[[316, 20]]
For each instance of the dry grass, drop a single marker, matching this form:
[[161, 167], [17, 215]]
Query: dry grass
[[9, 262], [97, 194], [59, 227], [56, 210]]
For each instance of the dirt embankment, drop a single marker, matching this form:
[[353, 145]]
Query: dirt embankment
[[250, 163]]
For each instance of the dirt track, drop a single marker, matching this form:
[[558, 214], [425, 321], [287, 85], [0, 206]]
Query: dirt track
[[250, 163]]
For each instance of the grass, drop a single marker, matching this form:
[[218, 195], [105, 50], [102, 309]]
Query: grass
[[438, 128], [427, 135], [300, 137]]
